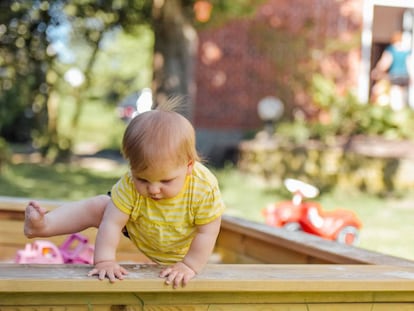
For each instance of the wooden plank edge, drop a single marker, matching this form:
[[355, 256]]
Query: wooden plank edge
[[216, 278], [311, 245]]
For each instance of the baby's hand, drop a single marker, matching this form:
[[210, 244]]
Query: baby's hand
[[177, 274], [110, 269]]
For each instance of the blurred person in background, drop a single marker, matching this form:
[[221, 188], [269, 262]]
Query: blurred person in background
[[392, 74]]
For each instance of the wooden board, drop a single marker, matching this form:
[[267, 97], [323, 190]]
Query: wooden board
[[359, 280], [241, 240], [219, 287]]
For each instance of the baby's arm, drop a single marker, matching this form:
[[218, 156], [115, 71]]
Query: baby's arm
[[197, 256], [106, 243], [382, 65]]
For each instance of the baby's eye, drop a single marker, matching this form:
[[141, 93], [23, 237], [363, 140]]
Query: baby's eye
[[141, 180], [167, 181]]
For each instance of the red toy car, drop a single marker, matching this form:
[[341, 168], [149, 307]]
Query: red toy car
[[298, 215]]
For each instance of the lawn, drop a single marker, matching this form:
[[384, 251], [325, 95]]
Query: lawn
[[386, 222]]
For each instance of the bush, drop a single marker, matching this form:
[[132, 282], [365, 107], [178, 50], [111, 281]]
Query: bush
[[4, 153], [335, 148], [345, 116]]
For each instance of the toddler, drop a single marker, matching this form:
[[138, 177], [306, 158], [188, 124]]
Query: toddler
[[168, 203]]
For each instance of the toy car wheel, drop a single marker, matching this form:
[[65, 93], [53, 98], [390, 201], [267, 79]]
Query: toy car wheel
[[292, 226], [348, 235]]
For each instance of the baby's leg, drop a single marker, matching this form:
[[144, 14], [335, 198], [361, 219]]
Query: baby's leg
[[68, 218], [34, 219]]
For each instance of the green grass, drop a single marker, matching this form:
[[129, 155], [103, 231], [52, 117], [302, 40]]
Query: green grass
[[60, 181]]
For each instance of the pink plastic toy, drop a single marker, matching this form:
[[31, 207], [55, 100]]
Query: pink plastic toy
[[74, 250], [42, 252]]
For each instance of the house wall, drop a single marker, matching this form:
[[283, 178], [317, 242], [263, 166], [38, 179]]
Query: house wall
[[381, 31], [274, 53]]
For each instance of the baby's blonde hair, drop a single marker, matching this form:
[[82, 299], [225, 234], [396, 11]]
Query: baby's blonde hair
[[159, 135]]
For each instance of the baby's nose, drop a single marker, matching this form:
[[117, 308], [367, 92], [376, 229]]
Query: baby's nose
[[153, 189]]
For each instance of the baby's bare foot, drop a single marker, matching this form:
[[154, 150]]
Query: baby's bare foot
[[34, 220]]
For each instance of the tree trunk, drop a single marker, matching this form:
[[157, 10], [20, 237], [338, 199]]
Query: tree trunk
[[174, 54]]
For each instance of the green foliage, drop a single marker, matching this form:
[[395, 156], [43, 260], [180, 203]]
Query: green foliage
[[32, 71], [4, 153], [114, 74], [32, 84], [99, 126], [345, 116], [23, 64], [99, 35], [232, 9]]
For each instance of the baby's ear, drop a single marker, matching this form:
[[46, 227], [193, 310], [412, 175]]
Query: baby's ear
[[190, 166]]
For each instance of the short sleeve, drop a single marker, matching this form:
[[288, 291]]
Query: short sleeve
[[210, 207], [123, 194]]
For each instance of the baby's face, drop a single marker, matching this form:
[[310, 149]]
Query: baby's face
[[163, 182]]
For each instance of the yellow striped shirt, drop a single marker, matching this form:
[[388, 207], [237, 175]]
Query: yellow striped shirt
[[163, 230]]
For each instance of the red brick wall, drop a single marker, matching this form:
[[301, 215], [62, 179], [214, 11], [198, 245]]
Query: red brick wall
[[275, 53]]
